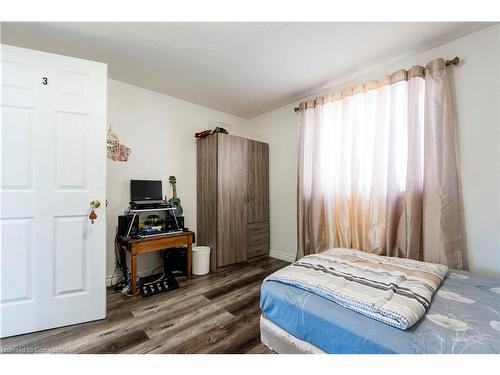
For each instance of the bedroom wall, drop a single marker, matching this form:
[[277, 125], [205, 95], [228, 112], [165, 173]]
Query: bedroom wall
[[160, 131], [477, 101]]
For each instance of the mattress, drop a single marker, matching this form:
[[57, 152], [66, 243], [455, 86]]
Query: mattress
[[280, 341], [464, 317]]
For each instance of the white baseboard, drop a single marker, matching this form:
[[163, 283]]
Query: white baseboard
[[287, 257], [109, 278]]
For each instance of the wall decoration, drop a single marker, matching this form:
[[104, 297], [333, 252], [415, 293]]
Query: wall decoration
[[116, 151]]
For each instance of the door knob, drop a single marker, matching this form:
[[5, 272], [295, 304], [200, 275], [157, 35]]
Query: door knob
[[93, 205]]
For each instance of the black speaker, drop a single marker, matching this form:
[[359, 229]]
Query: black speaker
[[171, 225], [124, 222], [174, 261]]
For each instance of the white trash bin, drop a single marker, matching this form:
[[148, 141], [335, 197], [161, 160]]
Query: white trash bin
[[201, 260]]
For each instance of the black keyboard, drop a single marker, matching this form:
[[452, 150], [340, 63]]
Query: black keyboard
[[148, 202]]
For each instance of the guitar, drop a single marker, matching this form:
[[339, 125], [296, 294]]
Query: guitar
[[174, 201]]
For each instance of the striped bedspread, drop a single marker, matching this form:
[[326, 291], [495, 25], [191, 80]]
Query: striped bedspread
[[392, 290]]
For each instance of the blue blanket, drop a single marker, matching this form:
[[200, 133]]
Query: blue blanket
[[464, 317]]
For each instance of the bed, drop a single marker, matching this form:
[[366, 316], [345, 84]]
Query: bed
[[464, 317]]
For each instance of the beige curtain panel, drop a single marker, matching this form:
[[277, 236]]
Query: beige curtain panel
[[378, 169]]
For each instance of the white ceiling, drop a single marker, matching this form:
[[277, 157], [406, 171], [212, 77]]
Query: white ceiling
[[240, 68]]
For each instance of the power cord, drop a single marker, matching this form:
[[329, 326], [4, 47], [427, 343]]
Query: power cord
[[120, 283]]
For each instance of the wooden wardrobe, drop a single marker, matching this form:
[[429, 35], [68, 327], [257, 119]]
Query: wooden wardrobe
[[232, 198]]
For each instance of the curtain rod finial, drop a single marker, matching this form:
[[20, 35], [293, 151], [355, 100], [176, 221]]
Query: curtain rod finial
[[454, 61]]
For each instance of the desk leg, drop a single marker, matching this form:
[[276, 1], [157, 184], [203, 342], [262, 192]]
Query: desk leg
[[133, 266], [189, 260], [123, 261]]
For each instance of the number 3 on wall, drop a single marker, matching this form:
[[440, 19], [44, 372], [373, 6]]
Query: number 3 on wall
[[44, 80]]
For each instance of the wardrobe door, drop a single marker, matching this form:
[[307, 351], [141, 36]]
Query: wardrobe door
[[206, 195], [231, 199], [258, 199], [258, 182]]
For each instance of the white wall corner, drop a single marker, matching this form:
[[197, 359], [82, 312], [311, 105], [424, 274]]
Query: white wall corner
[[287, 257]]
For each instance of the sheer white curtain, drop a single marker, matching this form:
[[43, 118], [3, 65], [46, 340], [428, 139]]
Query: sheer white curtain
[[361, 166]]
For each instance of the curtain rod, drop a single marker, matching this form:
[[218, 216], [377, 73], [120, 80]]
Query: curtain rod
[[454, 61]]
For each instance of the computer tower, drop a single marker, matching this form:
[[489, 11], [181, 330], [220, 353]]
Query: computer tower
[[174, 261]]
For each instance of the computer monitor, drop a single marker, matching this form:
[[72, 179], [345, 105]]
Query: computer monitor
[[145, 190]]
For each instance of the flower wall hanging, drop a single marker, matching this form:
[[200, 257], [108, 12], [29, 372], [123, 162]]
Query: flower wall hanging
[[116, 151]]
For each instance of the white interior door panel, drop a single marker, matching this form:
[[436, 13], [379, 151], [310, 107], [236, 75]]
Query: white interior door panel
[[53, 163]]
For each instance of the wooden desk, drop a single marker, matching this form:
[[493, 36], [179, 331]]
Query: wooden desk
[[146, 245]]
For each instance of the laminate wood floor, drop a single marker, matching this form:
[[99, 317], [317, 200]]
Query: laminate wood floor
[[215, 313]]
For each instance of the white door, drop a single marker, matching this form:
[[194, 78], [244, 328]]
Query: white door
[[53, 163]]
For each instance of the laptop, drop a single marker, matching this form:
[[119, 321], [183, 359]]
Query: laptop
[[146, 192]]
